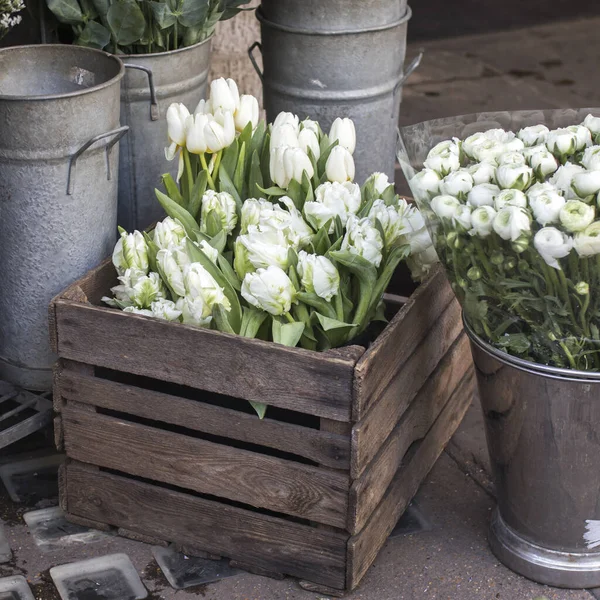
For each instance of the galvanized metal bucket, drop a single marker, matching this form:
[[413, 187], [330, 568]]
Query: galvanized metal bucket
[[152, 82], [59, 110], [353, 70], [542, 430]]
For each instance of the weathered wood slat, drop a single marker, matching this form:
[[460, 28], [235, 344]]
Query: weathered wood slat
[[323, 447], [297, 379], [386, 357], [371, 432], [284, 486], [367, 491], [268, 542], [364, 547]]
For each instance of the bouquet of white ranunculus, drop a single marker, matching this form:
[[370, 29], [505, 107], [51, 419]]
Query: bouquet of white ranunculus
[[267, 236], [513, 217]]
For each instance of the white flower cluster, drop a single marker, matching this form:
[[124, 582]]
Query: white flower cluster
[[8, 15], [536, 184]]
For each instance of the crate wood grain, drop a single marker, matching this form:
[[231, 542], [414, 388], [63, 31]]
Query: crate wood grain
[[161, 442]]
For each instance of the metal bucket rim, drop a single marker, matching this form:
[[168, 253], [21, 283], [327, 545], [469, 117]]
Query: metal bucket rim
[[299, 31], [530, 367], [167, 53], [117, 78]]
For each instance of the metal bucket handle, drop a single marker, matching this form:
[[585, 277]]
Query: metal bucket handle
[[410, 69], [118, 133], [253, 60], [154, 111]]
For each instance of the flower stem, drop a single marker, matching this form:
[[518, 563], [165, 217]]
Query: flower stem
[[289, 317], [217, 163], [189, 174], [565, 293], [211, 183]]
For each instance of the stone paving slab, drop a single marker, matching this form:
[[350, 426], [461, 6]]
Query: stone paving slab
[[32, 479], [15, 588], [5, 551]]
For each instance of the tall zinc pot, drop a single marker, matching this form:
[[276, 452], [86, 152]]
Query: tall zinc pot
[[152, 82], [59, 113], [341, 58]]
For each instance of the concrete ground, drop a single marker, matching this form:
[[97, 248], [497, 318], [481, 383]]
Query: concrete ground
[[547, 66]]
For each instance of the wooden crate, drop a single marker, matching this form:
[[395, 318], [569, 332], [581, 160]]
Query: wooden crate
[[162, 444]]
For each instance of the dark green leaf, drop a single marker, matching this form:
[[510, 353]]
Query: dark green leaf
[[230, 275], [324, 156], [152, 252], [101, 7], [66, 11], [176, 211], [229, 159], [197, 193], [226, 185], [163, 14], [172, 189], [94, 35], [238, 177], [255, 180], [126, 21], [192, 12], [252, 319], [221, 319], [274, 191], [294, 191]]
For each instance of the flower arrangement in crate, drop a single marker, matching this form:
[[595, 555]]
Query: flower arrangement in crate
[[514, 220], [267, 235]]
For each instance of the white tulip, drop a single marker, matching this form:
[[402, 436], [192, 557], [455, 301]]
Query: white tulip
[[247, 112], [462, 216], [591, 158], [285, 135], [137, 289], [333, 199], [309, 139], [340, 165], [381, 182], [170, 266], [534, 135], [318, 275], [518, 177], [587, 242], [265, 248], [195, 311], [296, 230], [270, 290], [130, 252], [511, 158], [546, 205], [390, 218], [363, 239], [223, 207], [583, 135], [443, 158], [483, 195], [312, 126], [425, 185], [342, 131], [552, 244], [586, 184], [144, 312], [483, 172], [289, 164], [167, 233], [196, 133], [204, 107], [576, 215], [511, 222], [199, 282], [177, 115], [562, 142], [165, 310], [251, 212], [445, 207], [563, 179], [224, 95], [482, 220], [212, 253], [286, 118], [543, 163], [219, 131], [458, 183], [510, 198]]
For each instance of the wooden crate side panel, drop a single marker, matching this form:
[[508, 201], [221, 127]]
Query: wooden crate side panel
[[323, 447], [364, 547], [369, 433], [382, 362], [263, 541], [320, 384], [262, 481], [367, 491]]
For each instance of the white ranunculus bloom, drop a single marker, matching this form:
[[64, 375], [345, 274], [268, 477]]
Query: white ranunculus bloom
[[511, 222], [563, 178], [270, 290], [248, 112], [266, 248], [543, 163], [363, 239], [518, 177], [222, 206], [286, 118], [381, 182], [591, 158], [130, 252], [340, 165], [425, 184], [470, 143], [445, 207], [562, 142], [177, 115], [318, 275], [333, 199], [195, 311], [534, 135], [483, 195], [510, 198], [592, 123], [540, 188], [552, 244], [586, 184], [287, 164], [199, 282], [307, 138], [443, 158], [482, 220], [462, 216], [168, 232], [546, 205], [391, 219], [576, 215], [583, 135], [342, 131], [458, 183], [285, 135], [587, 242], [483, 172], [224, 95], [511, 158], [504, 137]]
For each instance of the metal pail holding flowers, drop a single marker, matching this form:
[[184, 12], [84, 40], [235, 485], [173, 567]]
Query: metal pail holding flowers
[[59, 109]]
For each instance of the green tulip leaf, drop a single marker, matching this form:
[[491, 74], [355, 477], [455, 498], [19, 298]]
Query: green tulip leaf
[[260, 408], [256, 142], [325, 152], [255, 180], [172, 189], [163, 14], [94, 35], [221, 319], [320, 304], [176, 211], [229, 159], [218, 241], [265, 155], [288, 334], [238, 176], [252, 319], [66, 11], [226, 185], [229, 273], [329, 324], [192, 12], [195, 203], [274, 191], [320, 241], [152, 251], [126, 21]]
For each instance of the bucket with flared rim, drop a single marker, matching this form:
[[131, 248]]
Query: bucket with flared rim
[[59, 109], [542, 432]]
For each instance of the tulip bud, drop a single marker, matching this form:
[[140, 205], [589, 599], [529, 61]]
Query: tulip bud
[[309, 139], [199, 282], [270, 290], [248, 112], [224, 95], [165, 309], [312, 125], [286, 118], [195, 311], [130, 252], [204, 107], [319, 275], [265, 248], [222, 206], [342, 131], [219, 132], [381, 182], [137, 289], [287, 164], [390, 219], [177, 115], [340, 165], [168, 233], [195, 133], [170, 269], [333, 200], [285, 135], [363, 239]]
